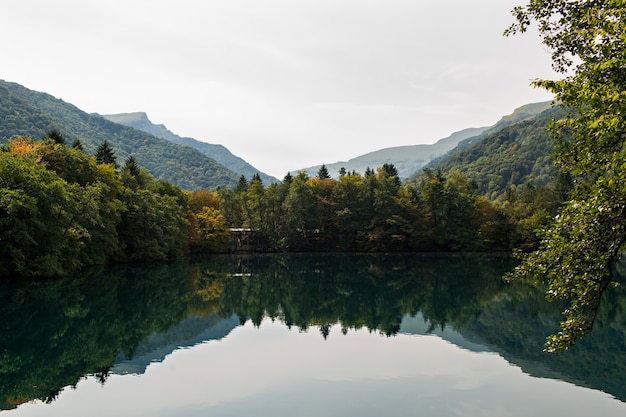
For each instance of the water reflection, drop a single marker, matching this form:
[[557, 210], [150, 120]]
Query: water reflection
[[118, 322]]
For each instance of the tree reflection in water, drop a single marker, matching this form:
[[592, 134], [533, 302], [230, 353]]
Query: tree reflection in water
[[55, 332]]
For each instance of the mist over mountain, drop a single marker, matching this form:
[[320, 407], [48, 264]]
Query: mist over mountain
[[140, 121]]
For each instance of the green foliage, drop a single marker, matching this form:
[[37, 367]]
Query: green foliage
[[55, 136], [105, 154], [376, 213], [589, 47], [36, 211], [153, 226], [105, 215], [77, 144], [28, 113], [59, 211], [516, 155]]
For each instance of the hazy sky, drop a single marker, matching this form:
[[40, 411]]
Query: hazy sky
[[285, 84]]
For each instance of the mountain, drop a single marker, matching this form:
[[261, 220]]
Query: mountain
[[220, 153], [406, 159], [410, 159], [525, 112], [24, 112], [515, 155]]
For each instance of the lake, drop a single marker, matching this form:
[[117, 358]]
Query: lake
[[303, 335]]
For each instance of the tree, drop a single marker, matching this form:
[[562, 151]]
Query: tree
[[391, 171], [130, 166], [574, 259], [105, 154], [77, 144], [55, 136], [36, 208], [213, 230], [242, 184], [322, 173], [298, 209], [132, 175]]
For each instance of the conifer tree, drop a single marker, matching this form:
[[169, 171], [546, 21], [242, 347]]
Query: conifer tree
[[56, 136], [106, 155], [322, 173]]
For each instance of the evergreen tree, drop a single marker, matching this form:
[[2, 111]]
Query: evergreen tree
[[77, 144], [242, 184], [105, 154], [130, 166], [55, 136], [322, 173]]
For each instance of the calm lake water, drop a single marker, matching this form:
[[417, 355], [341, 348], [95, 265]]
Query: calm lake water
[[308, 335]]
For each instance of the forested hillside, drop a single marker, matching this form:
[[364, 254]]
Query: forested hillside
[[24, 112], [220, 153], [409, 160], [517, 155]]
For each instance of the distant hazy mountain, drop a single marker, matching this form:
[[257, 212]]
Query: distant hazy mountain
[[411, 159], [24, 112], [221, 154], [407, 159]]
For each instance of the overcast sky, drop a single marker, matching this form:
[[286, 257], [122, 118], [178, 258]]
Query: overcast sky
[[284, 84]]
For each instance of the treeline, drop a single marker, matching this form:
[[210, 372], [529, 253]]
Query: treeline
[[62, 209], [374, 212]]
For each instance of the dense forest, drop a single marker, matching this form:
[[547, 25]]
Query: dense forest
[[507, 157], [62, 208]]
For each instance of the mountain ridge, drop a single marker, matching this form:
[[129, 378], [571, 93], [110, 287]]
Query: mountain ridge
[[141, 121], [518, 154], [25, 112], [409, 159]]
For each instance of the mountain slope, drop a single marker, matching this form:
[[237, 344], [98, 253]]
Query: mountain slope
[[410, 159], [406, 159], [520, 114], [220, 153], [516, 155], [30, 113]]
